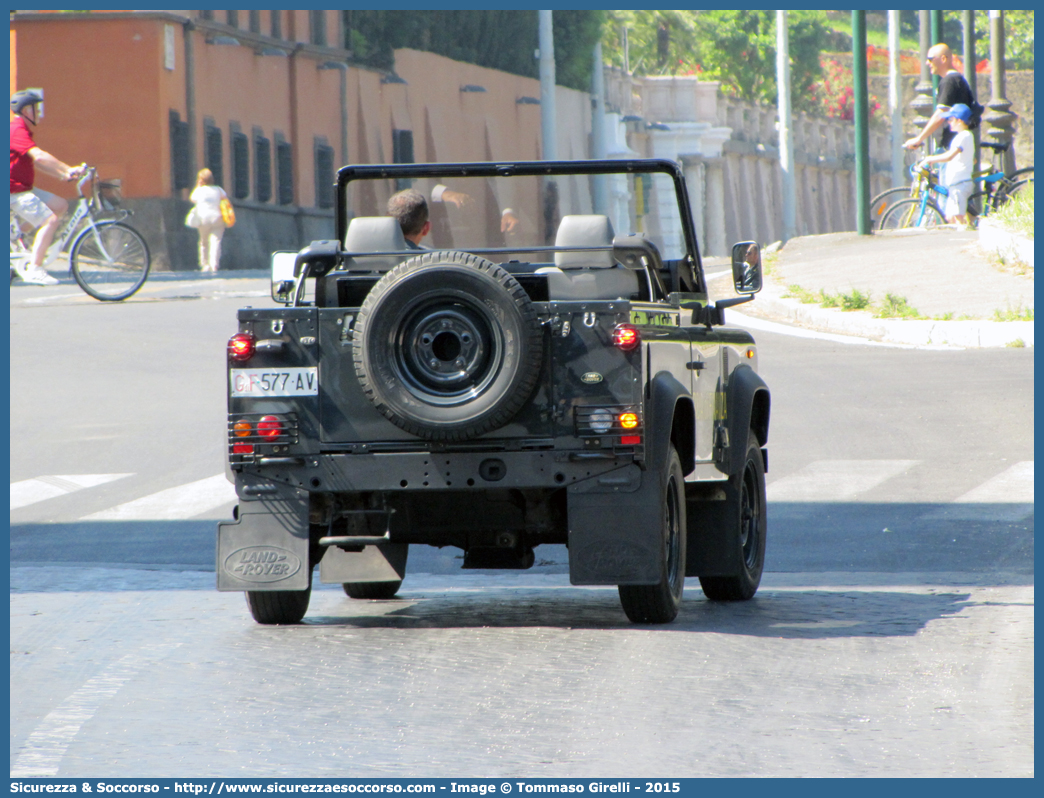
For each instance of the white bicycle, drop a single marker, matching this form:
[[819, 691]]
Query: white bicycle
[[108, 258]]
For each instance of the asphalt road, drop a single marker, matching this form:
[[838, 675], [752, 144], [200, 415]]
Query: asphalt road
[[893, 634]]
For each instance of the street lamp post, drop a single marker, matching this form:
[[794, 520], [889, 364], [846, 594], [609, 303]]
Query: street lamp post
[[922, 103], [1000, 119], [860, 99], [968, 23]]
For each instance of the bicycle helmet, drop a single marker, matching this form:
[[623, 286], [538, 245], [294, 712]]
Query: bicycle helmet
[[20, 99]]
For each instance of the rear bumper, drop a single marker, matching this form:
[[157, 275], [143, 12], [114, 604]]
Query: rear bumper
[[423, 471]]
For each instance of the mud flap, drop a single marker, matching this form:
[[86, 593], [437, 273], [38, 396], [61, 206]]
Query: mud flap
[[385, 562], [712, 518], [266, 548], [614, 528]]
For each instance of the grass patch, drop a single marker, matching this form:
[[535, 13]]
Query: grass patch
[[1016, 215], [854, 300], [1016, 314], [769, 263], [896, 307], [801, 294], [1018, 343]]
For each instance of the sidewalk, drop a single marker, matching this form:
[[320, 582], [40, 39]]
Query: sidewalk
[[957, 293]]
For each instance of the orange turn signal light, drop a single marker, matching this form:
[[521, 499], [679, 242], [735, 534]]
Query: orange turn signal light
[[628, 420], [241, 428]]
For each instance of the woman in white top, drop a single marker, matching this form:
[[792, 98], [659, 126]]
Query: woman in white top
[[207, 200]]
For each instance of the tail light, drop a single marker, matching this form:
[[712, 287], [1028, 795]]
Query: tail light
[[241, 347], [626, 337], [270, 427], [629, 420]]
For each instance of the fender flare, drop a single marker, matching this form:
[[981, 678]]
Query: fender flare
[[671, 414], [747, 404]]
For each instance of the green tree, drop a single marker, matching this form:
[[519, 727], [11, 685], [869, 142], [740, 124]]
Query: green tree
[[737, 48], [658, 42], [497, 39]]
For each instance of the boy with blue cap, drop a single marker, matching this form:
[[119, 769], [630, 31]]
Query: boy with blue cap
[[959, 161]]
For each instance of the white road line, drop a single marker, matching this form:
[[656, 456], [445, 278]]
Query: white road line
[[835, 480], [41, 754], [1006, 497], [30, 491], [184, 501]]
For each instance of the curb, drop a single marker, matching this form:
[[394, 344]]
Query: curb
[[969, 334], [994, 238]]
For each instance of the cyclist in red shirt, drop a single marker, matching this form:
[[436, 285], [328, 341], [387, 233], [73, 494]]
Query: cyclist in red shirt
[[39, 208]]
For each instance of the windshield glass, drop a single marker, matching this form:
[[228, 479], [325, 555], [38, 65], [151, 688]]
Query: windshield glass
[[523, 212]]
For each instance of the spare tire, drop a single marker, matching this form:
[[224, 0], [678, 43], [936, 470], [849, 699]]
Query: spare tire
[[447, 346]]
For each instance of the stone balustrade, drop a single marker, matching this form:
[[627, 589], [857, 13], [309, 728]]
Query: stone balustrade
[[728, 149]]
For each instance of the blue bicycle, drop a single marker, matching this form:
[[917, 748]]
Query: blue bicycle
[[920, 209]]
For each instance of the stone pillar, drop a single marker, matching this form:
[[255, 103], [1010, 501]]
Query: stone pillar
[[923, 102], [714, 208], [999, 118], [694, 168]]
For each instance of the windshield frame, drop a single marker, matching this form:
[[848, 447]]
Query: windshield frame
[[347, 174]]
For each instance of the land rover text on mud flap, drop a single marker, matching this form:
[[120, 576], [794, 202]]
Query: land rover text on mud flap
[[548, 370]]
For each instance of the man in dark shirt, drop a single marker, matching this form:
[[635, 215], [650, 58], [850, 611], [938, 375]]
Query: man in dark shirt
[[953, 89]]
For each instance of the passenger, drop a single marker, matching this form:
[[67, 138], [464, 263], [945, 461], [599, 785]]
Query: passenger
[[411, 210]]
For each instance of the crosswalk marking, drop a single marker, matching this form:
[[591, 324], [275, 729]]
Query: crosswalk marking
[[1014, 485], [1006, 497], [184, 501], [835, 480], [30, 491]]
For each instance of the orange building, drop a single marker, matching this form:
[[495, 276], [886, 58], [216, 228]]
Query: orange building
[[271, 102]]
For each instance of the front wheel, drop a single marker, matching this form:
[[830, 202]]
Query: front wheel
[[372, 590], [745, 507], [908, 214], [278, 606], [659, 603], [110, 261]]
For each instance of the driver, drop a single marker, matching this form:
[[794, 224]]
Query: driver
[[39, 208]]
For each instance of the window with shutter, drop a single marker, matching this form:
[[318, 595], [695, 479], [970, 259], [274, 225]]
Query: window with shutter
[[324, 174], [213, 154], [180, 173], [240, 165], [285, 172], [262, 168]]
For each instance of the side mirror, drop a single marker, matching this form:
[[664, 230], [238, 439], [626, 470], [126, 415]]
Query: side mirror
[[746, 267], [283, 276]]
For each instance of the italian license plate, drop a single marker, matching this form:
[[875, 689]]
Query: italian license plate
[[275, 382]]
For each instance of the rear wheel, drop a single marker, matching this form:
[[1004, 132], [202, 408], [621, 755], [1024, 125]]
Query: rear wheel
[[1014, 190], [881, 203], [908, 214], [372, 590], [745, 507], [278, 606], [659, 603], [110, 261]]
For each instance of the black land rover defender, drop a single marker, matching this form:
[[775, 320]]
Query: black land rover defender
[[545, 369]]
